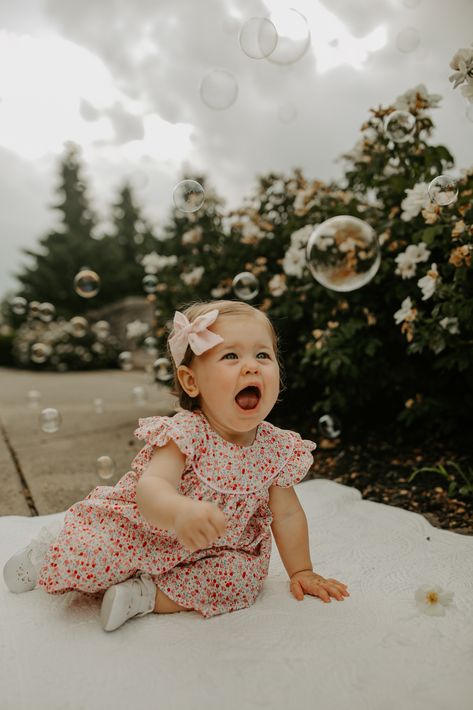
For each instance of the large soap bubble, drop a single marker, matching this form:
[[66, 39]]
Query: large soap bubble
[[293, 36], [188, 195], [258, 37], [219, 89], [443, 190], [343, 253], [399, 126]]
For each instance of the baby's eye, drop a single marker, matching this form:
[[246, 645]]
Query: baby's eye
[[229, 355], [265, 355]]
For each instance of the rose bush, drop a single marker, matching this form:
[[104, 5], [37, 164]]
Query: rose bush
[[395, 354]]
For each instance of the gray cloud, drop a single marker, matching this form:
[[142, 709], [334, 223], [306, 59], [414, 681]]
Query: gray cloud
[[158, 51]]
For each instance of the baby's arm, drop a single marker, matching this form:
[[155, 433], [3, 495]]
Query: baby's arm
[[196, 523], [156, 492]]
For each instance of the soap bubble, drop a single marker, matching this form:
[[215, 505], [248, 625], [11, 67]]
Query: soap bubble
[[399, 126], [105, 467], [443, 190], [151, 345], [408, 40], [258, 37], [50, 420], [34, 396], [149, 282], [19, 305], [98, 405], [40, 352], [188, 196], [46, 312], [287, 113], [139, 395], [293, 36], [245, 286], [86, 283], [162, 369], [329, 426], [101, 329], [219, 89], [125, 360], [343, 253], [78, 326]]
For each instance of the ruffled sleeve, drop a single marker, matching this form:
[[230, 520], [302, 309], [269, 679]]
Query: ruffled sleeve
[[298, 463], [182, 428]]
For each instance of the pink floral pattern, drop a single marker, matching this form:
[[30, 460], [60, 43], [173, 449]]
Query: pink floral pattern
[[105, 539]]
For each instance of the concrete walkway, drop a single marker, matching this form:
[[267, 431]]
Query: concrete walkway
[[43, 473]]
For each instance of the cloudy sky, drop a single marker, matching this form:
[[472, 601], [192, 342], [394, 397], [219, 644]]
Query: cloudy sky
[[124, 80]]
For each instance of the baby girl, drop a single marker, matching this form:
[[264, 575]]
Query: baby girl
[[189, 526]]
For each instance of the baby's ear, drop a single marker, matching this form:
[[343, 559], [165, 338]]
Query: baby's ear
[[187, 380]]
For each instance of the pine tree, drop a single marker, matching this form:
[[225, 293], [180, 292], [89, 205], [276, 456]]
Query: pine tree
[[130, 240], [65, 250]]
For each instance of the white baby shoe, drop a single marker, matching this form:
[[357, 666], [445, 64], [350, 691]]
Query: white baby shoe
[[19, 572], [135, 597]]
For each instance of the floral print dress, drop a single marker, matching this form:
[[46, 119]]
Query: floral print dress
[[105, 539]]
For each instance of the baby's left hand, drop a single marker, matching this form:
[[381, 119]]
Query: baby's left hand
[[312, 583]]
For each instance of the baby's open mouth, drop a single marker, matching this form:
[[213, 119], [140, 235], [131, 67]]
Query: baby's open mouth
[[248, 397]]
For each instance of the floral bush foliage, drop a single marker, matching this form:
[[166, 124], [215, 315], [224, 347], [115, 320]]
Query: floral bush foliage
[[396, 353], [63, 346]]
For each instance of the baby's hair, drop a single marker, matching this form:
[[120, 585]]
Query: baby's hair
[[225, 308]]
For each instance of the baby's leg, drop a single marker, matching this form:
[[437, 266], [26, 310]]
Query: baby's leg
[[164, 605]]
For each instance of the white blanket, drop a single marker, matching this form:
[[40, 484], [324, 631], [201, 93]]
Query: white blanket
[[373, 651]]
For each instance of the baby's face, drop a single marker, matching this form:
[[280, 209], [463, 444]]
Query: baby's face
[[245, 358]]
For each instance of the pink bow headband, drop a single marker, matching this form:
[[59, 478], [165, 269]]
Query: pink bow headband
[[195, 334]]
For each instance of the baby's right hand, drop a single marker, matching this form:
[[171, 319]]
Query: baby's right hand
[[198, 524]]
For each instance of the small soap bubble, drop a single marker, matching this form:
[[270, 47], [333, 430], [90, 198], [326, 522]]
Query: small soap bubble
[[258, 37], [40, 352], [329, 426], [343, 253], [293, 36], [162, 369], [399, 126], [86, 283], [101, 329], [219, 89], [188, 196], [408, 40], [139, 395], [33, 397], [245, 285], [19, 305], [78, 326], [46, 312], [149, 282], [150, 344], [443, 190], [98, 405], [105, 467], [50, 420], [125, 360]]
